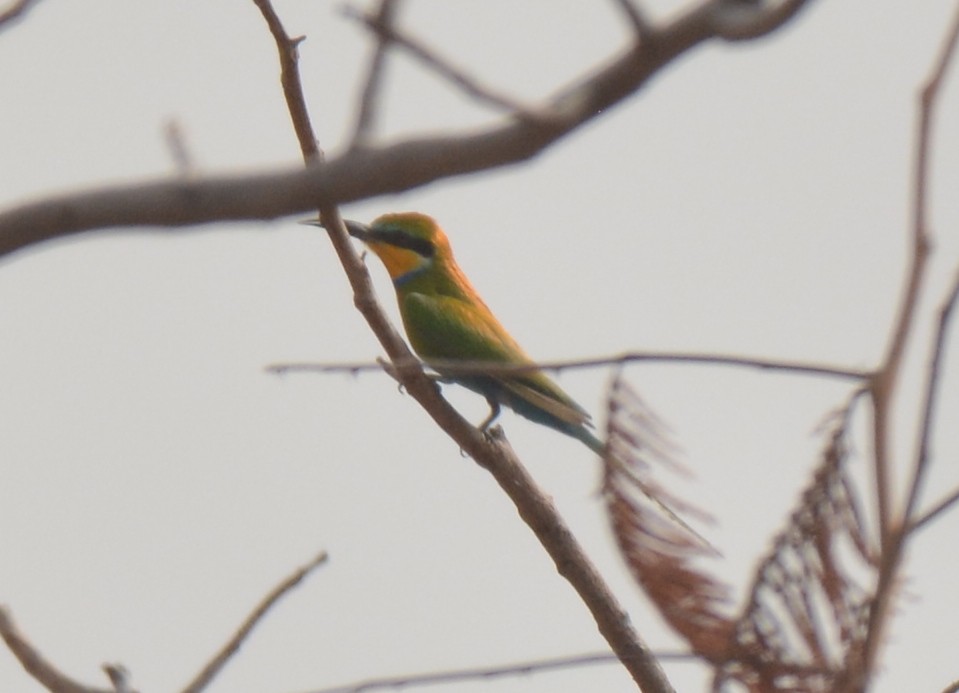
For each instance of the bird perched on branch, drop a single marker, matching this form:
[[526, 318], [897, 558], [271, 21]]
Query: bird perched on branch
[[447, 321]]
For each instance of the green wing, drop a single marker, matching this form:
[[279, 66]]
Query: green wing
[[444, 327]]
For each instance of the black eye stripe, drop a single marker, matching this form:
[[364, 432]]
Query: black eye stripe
[[402, 239]]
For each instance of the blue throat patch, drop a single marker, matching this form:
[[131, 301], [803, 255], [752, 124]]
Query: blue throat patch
[[411, 275]]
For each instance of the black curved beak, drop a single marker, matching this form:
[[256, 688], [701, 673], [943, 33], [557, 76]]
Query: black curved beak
[[357, 229], [354, 228]]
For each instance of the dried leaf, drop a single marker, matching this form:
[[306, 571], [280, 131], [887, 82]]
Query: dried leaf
[[804, 623], [658, 546]]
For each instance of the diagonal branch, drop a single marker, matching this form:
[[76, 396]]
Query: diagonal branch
[[388, 33], [360, 173], [16, 10], [215, 665], [893, 530], [369, 101], [287, 48], [932, 388], [935, 511]]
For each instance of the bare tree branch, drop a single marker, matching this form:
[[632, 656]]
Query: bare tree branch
[[30, 658], [369, 101], [488, 673], [290, 80], [366, 172], [17, 9], [360, 173], [892, 529], [636, 17], [388, 33], [484, 367], [935, 511], [932, 387], [179, 152], [215, 665]]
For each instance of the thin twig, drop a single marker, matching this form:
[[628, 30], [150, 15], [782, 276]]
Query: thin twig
[[30, 658], [287, 48], [309, 145], [489, 673], [358, 173], [388, 33], [119, 676], [935, 511], [17, 9], [487, 368], [179, 152], [892, 531], [369, 101], [886, 378], [636, 17], [932, 388], [216, 664]]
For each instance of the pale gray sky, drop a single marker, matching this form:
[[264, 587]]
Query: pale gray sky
[[155, 482]]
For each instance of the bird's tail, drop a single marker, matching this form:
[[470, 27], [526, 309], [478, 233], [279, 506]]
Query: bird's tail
[[586, 436]]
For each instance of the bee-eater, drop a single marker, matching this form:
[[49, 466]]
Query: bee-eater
[[446, 320]]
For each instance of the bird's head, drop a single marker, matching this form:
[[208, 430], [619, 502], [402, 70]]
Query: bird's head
[[408, 243]]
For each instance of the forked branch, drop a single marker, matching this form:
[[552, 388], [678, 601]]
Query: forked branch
[[808, 626], [895, 521], [364, 172], [39, 667]]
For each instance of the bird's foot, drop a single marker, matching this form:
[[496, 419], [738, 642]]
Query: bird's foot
[[494, 410], [494, 434]]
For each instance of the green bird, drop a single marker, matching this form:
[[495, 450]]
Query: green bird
[[446, 320]]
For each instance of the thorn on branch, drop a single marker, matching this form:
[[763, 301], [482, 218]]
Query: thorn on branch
[[288, 49]]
